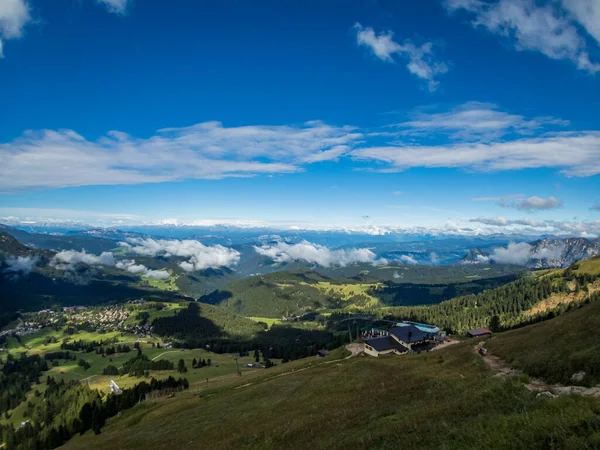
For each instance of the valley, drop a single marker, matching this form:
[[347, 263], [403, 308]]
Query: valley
[[258, 339]]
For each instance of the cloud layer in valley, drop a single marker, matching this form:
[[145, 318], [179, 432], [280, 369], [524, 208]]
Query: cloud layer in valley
[[317, 254], [69, 259], [200, 256], [520, 253], [20, 265]]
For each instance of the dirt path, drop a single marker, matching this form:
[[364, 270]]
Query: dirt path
[[503, 369], [164, 353], [445, 344]]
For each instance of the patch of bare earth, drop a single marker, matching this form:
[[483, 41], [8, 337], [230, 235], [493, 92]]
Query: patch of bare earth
[[562, 298]]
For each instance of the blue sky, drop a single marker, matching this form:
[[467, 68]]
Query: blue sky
[[455, 114]]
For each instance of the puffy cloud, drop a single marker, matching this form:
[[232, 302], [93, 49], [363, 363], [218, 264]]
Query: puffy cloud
[[69, 259], [482, 259], [474, 121], [576, 154], [421, 60], [434, 258], [14, 15], [522, 252], [20, 264], [115, 6], [52, 159], [200, 256], [157, 274], [407, 259], [514, 253], [129, 265], [549, 28], [317, 254]]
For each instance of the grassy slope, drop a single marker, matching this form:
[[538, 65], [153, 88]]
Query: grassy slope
[[591, 265], [272, 295], [557, 348], [438, 400]]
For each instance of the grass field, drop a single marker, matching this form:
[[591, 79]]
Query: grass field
[[442, 400], [222, 369], [169, 310], [557, 348], [268, 320], [591, 265], [348, 292], [170, 284]]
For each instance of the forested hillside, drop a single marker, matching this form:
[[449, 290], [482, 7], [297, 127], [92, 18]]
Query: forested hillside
[[506, 306]]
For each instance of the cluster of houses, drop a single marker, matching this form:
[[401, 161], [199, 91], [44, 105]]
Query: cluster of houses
[[400, 338]]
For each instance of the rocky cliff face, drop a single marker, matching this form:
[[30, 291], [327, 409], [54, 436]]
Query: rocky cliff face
[[544, 253], [561, 253]]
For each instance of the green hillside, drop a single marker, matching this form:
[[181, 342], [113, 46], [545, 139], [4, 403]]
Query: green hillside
[[441, 400], [557, 348], [532, 298], [292, 293], [273, 295]]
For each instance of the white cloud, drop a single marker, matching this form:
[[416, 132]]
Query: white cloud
[[474, 121], [421, 60], [571, 228], [534, 203], [200, 256], [20, 264], [547, 27], [407, 259], [115, 6], [53, 159], [68, 259], [483, 259], [317, 254], [434, 258], [514, 253], [522, 252], [587, 13], [157, 274], [129, 265], [576, 154], [14, 15], [503, 222]]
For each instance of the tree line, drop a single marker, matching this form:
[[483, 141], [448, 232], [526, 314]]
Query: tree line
[[71, 408], [500, 308]]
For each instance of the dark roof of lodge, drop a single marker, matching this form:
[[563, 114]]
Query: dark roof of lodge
[[408, 334], [479, 332], [384, 343]]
